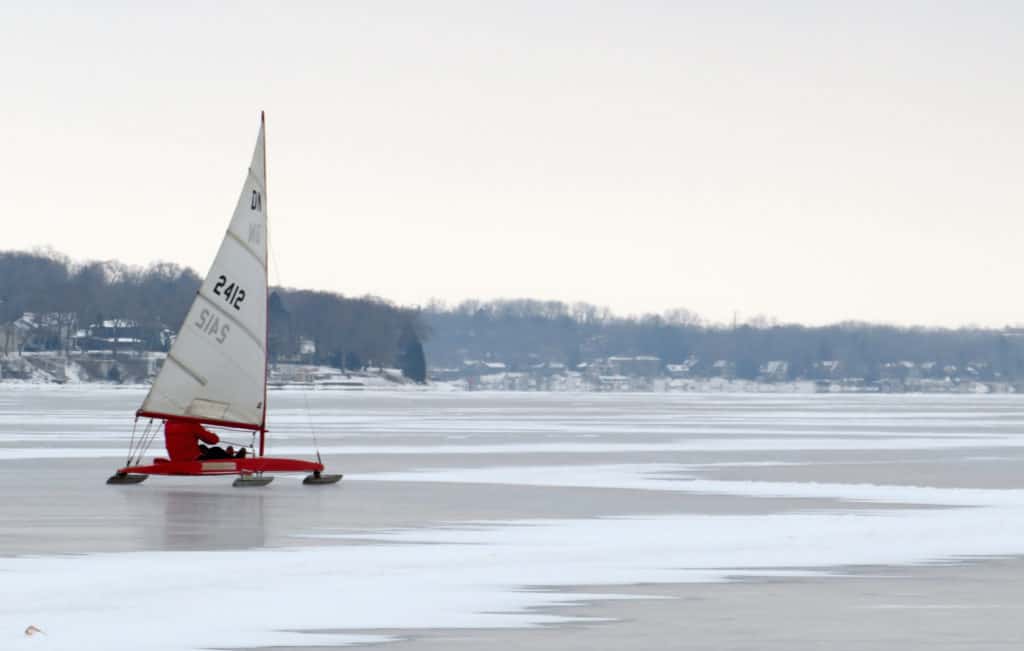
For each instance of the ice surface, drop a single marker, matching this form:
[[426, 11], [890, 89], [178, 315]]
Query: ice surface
[[693, 445], [454, 577], [679, 478], [436, 574]]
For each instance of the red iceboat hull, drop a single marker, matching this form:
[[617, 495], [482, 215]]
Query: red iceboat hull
[[224, 467]]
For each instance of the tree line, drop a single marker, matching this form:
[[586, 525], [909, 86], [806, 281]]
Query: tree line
[[523, 333], [352, 333], [345, 332]]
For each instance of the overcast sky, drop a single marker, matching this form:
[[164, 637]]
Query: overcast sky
[[812, 161]]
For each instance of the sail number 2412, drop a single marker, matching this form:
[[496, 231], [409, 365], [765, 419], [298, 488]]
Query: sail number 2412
[[233, 294]]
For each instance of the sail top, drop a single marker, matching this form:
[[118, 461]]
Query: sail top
[[215, 371]]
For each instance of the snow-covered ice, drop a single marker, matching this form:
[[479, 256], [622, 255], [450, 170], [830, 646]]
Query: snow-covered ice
[[335, 581]]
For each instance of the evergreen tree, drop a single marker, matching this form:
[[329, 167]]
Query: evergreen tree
[[411, 360], [353, 362], [280, 341]]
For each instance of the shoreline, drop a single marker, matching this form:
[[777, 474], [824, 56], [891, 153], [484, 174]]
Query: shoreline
[[440, 388]]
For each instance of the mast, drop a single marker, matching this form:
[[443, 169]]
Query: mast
[[266, 269]]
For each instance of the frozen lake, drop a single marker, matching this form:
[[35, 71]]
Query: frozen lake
[[545, 520]]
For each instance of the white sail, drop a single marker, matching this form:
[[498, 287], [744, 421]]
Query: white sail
[[216, 369]]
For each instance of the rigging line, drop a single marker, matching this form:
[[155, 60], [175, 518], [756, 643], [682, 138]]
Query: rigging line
[[137, 451], [136, 457], [131, 443], [149, 441], [142, 442], [305, 393], [150, 436], [312, 430], [136, 443]]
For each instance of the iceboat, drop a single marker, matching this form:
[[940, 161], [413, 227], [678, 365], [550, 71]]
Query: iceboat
[[216, 370]]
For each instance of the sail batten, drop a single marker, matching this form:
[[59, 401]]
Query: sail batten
[[195, 376], [245, 246], [217, 369]]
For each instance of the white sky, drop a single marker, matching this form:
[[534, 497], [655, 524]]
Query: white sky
[[812, 161]]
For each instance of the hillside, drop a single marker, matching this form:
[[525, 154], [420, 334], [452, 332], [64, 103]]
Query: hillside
[[48, 303]]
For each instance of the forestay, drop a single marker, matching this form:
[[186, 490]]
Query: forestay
[[216, 369]]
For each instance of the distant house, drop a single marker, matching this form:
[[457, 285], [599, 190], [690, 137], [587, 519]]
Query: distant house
[[479, 367], [676, 370], [14, 337], [774, 371], [547, 369], [167, 338], [307, 347], [902, 370], [686, 369], [110, 334], [34, 331], [639, 366], [723, 368], [931, 369], [978, 370], [827, 369], [445, 374], [613, 383]]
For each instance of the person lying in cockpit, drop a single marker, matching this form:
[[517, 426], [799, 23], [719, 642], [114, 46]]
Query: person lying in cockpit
[[214, 452]]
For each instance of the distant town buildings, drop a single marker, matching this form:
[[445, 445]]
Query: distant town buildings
[[42, 345], [651, 373]]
